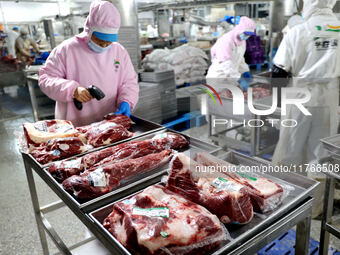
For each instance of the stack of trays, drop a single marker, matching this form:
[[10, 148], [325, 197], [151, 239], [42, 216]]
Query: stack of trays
[[157, 76], [165, 82], [187, 98], [149, 103], [129, 38]]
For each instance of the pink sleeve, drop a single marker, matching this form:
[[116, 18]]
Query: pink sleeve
[[128, 90], [52, 78], [224, 49]]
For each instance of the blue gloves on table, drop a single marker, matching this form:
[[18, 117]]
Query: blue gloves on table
[[124, 108]]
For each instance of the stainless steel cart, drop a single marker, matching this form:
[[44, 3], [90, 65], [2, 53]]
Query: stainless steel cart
[[82, 208], [295, 210], [332, 144]]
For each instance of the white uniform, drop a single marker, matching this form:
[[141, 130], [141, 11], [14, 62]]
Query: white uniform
[[10, 42], [232, 68], [311, 52]]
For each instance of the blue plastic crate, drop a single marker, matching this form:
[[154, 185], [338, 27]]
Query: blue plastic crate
[[285, 244]]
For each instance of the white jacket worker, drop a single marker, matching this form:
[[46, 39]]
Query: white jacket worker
[[292, 22], [12, 35], [311, 53]]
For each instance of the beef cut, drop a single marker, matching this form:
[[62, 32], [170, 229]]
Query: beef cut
[[101, 180], [123, 120], [158, 221], [222, 196], [45, 130], [58, 148], [135, 149], [128, 150], [61, 170], [106, 132], [265, 194]]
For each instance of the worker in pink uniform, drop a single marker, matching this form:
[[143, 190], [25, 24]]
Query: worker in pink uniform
[[227, 55], [91, 58]]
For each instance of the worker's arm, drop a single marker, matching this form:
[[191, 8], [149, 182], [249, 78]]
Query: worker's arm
[[283, 57], [52, 78], [19, 45], [243, 66], [34, 45], [128, 90], [282, 64]]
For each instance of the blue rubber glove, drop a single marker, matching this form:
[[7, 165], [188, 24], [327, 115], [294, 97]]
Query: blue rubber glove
[[246, 75], [124, 108], [229, 19], [244, 84]]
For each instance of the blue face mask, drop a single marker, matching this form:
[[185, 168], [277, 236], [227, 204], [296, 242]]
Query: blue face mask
[[25, 36], [244, 37], [96, 48]]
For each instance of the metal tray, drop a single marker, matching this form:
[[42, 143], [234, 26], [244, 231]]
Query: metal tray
[[140, 128], [304, 188], [130, 185], [332, 144], [144, 180], [227, 109], [264, 77]]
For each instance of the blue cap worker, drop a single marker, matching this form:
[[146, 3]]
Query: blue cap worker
[[310, 53]]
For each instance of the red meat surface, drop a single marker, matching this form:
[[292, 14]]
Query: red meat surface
[[222, 196], [265, 194], [123, 120], [128, 150], [102, 180], [158, 221], [136, 149], [106, 132], [57, 149], [61, 170]]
